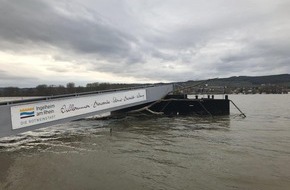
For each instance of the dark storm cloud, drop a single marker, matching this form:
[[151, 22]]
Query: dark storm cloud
[[38, 22]]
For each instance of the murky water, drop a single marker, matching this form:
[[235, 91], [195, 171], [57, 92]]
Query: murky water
[[145, 152]]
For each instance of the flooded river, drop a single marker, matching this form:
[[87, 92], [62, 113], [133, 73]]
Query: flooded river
[[150, 152]]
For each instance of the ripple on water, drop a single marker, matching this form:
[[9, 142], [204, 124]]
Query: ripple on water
[[160, 152], [58, 137]]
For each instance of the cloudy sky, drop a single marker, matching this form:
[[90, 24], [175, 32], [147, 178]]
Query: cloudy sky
[[60, 41]]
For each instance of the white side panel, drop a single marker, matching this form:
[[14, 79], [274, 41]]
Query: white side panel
[[32, 114]]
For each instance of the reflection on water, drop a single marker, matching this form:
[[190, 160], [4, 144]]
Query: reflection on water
[[149, 152]]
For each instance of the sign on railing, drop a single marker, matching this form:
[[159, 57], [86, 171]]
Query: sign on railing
[[38, 113]]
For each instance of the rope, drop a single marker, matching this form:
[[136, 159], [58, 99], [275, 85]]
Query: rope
[[145, 107], [153, 112]]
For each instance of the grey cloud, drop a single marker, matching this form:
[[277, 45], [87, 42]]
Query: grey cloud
[[37, 22], [3, 75], [7, 79], [58, 69], [260, 56], [6, 76], [164, 56], [217, 39]]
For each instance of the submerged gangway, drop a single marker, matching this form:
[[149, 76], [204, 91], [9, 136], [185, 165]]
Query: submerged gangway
[[26, 115]]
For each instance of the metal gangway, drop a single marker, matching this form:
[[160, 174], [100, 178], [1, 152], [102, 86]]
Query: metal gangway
[[26, 115]]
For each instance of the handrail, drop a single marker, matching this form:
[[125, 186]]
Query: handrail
[[78, 94]]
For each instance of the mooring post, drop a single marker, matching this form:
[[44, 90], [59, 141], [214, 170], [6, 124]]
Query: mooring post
[[196, 96], [212, 96], [208, 96]]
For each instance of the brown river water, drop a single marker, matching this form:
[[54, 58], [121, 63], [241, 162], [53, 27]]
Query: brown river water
[[150, 152]]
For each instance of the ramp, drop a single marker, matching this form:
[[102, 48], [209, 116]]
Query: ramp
[[21, 116]]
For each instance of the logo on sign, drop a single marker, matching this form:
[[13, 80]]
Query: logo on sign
[[27, 112]]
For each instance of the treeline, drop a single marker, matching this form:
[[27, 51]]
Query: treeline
[[53, 90]]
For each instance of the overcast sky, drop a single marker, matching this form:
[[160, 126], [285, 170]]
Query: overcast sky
[[128, 41]]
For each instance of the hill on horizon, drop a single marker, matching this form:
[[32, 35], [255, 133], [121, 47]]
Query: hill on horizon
[[248, 81]]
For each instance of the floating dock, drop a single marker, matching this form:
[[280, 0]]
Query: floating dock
[[172, 105]]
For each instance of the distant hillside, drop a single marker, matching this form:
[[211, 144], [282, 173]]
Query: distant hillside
[[248, 81], [259, 80], [273, 84]]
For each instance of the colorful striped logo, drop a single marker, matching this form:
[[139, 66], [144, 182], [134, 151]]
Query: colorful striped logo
[[27, 112]]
